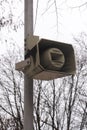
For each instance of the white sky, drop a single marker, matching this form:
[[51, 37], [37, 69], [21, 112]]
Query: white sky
[[70, 21]]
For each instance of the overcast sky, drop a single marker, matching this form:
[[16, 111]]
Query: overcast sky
[[71, 21]]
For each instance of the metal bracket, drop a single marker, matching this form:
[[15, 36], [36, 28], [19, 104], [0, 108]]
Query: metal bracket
[[20, 66], [30, 42]]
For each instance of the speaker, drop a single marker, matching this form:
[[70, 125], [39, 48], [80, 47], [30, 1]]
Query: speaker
[[49, 59]]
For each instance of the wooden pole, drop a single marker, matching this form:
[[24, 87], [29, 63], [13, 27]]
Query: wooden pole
[[28, 83]]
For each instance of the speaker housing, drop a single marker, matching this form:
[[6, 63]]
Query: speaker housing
[[55, 53]]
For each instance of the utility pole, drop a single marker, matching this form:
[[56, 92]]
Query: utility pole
[[28, 83]]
